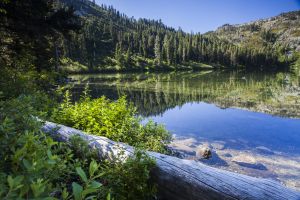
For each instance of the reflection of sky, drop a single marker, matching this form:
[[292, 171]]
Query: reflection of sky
[[213, 123]]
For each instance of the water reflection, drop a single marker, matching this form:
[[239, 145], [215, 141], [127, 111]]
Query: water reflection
[[246, 118], [238, 129], [153, 94]]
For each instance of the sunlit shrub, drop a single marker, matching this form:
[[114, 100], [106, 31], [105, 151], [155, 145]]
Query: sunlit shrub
[[113, 119]]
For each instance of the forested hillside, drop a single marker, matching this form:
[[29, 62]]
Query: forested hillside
[[111, 40]]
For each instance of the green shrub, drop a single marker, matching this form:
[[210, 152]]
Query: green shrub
[[130, 180], [113, 119], [34, 166]]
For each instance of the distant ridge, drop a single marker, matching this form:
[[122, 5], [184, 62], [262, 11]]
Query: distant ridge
[[111, 40]]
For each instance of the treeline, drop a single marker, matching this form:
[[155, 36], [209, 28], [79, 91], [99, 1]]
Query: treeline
[[109, 34]]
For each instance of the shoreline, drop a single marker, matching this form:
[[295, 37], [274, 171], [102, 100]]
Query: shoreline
[[259, 162]]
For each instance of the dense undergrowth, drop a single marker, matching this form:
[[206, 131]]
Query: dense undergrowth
[[34, 166]]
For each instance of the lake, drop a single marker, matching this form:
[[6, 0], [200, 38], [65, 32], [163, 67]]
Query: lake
[[250, 120]]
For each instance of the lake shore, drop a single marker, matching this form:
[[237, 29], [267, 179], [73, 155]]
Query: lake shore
[[257, 161], [250, 121]]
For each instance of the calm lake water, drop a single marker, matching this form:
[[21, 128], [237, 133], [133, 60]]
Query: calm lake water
[[244, 111]]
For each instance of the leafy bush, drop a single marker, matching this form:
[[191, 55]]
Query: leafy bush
[[113, 119], [34, 166], [130, 180]]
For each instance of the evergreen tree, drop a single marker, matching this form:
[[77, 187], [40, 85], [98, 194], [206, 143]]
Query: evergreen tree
[[157, 50], [128, 56]]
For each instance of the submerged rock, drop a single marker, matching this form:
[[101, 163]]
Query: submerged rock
[[258, 166], [204, 152], [227, 155], [264, 150]]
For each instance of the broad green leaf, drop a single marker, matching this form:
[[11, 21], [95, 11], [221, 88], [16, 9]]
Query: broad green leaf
[[91, 198], [18, 180], [49, 154], [95, 184], [88, 191], [82, 174], [15, 183], [77, 191], [65, 194], [38, 187], [93, 168], [10, 181], [27, 164], [108, 197]]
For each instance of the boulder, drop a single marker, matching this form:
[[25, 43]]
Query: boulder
[[204, 152]]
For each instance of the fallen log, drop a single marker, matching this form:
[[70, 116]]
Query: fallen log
[[179, 179]]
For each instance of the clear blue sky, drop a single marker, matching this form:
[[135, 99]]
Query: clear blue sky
[[202, 15]]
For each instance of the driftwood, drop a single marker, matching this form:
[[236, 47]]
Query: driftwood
[[179, 179]]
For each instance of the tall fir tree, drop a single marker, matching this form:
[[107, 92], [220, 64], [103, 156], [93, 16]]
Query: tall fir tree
[[157, 50]]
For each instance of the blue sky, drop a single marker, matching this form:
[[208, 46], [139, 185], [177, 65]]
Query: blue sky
[[202, 15]]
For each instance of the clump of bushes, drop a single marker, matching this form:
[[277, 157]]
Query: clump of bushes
[[34, 166], [116, 120]]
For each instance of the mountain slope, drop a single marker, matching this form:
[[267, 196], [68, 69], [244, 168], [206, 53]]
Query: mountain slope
[[110, 40], [282, 30]]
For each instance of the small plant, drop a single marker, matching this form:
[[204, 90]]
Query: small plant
[[89, 187]]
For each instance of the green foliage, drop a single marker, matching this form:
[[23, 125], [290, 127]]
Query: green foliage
[[115, 120], [131, 179], [72, 66], [29, 167], [90, 185], [34, 166]]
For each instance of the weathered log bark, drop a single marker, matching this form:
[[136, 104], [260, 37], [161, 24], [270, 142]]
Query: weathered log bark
[[180, 179]]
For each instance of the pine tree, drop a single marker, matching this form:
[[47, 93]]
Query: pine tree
[[184, 54], [157, 50], [175, 60], [167, 49], [128, 56]]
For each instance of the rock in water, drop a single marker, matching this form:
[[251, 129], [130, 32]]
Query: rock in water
[[204, 152]]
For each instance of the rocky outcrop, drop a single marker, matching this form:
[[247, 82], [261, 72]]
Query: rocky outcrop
[[284, 31]]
